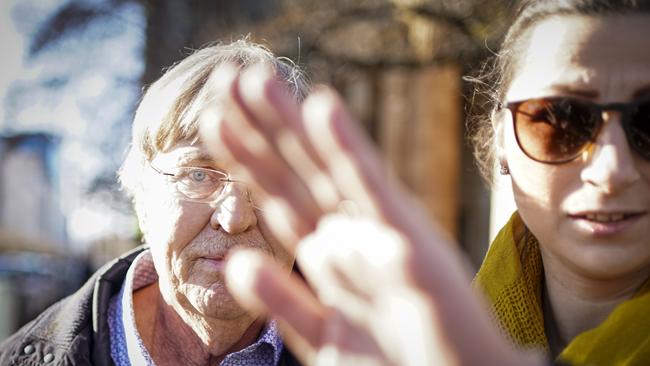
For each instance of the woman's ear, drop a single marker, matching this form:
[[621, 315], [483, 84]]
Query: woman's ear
[[500, 118], [503, 167]]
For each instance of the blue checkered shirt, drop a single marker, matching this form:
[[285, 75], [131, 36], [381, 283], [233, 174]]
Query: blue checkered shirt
[[128, 349]]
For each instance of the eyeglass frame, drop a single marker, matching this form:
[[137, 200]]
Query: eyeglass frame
[[626, 110], [213, 198]]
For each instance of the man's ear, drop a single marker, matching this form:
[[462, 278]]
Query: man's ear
[[140, 213]]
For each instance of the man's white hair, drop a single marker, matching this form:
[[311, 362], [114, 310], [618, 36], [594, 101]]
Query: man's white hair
[[169, 110]]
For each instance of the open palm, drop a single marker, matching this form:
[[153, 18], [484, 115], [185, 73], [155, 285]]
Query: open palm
[[385, 285]]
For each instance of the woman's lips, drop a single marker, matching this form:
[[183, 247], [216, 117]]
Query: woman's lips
[[606, 223]]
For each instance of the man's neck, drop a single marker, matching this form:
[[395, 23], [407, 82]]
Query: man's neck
[[195, 340], [580, 303]]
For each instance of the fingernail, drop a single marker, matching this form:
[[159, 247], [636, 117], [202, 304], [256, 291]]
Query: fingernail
[[209, 120], [222, 77]]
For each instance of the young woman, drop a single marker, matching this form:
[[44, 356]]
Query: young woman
[[565, 281]]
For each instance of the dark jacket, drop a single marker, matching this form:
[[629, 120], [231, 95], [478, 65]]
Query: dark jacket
[[74, 331]]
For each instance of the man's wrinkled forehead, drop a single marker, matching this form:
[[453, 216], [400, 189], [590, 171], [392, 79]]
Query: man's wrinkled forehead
[[187, 153]]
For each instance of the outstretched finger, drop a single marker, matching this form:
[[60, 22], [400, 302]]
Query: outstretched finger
[[227, 128], [316, 334], [270, 173], [261, 285], [276, 114], [354, 163], [360, 175]]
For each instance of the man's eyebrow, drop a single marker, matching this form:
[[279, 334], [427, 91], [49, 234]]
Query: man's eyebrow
[[196, 158]]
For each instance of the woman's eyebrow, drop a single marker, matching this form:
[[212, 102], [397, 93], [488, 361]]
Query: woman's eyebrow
[[575, 91], [642, 92]]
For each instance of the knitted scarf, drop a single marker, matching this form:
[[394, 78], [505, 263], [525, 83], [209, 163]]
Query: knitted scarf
[[511, 280]]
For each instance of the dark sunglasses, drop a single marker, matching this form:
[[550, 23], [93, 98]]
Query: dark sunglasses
[[557, 130]]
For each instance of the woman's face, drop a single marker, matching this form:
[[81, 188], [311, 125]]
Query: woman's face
[[591, 215]]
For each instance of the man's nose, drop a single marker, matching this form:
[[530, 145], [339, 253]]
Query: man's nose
[[611, 164], [234, 211]]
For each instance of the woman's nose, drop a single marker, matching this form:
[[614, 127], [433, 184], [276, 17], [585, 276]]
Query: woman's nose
[[234, 212], [611, 164]]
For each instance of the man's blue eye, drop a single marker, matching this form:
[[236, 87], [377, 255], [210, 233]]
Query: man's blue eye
[[197, 175]]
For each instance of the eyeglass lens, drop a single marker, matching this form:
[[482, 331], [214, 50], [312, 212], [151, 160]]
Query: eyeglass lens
[[206, 185], [200, 184], [557, 130], [639, 130]]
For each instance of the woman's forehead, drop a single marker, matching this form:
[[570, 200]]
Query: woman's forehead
[[604, 58]]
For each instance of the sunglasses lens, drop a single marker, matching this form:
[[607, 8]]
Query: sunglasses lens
[[554, 130], [639, 130]]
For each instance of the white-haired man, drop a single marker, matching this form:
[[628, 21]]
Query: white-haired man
[[166, 303]]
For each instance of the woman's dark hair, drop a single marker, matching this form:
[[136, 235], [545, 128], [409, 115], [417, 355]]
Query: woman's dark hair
[[497, 73]]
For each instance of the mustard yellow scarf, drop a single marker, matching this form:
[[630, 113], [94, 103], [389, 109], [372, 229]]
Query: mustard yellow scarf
[[511, 279]]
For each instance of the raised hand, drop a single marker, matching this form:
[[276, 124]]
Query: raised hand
[[386, 286]]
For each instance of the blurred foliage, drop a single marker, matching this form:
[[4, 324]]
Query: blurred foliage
[[407, 33]]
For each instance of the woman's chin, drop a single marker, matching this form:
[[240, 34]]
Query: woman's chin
[[610, 262]]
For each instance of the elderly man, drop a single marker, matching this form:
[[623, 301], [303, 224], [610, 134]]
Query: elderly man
[[166, 303]]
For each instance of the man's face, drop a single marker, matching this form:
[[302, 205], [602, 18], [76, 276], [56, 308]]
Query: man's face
[[189, 241]]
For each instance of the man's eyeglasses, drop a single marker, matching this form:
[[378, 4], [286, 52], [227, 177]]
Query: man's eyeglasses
[[557, 130], [197, 184]]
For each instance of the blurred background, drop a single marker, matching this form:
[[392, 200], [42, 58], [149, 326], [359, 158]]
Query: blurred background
[[72, 72]]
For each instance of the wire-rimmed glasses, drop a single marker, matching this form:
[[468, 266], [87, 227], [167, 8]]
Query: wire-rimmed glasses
[[196, 184]]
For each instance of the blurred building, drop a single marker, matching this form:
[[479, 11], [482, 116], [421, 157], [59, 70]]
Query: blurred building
[[29, 188], [36, 268], [64, 121]]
